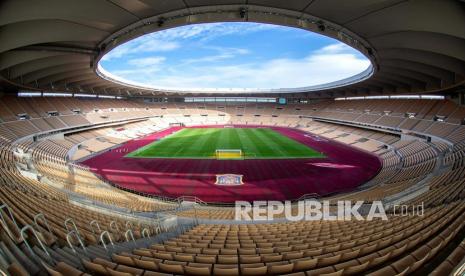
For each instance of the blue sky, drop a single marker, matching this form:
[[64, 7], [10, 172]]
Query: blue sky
[[233, 55]]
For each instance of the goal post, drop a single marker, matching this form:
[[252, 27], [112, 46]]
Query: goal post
[[229, 154]]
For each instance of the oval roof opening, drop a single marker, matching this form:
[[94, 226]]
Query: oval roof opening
[[235, 57]]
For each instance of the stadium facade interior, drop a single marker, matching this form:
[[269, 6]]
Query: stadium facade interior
[[90, 185]]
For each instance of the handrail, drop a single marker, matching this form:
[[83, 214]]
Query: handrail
[[157, 225], [146, 233], [10, 213], [114, 225], [23, 236], [68, 239], [36, 223], [92, 227], [128, 234], [70, 220], [106, 233], [129, 222], [190, 198]]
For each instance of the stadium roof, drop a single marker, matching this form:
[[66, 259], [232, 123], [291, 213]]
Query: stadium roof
[[55, 45]]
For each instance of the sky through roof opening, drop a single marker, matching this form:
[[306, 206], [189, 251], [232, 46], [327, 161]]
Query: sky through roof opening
[[232, 56]]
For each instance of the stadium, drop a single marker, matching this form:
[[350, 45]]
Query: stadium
[[108, 169]]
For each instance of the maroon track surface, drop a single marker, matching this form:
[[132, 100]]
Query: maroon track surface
[[343, 169]]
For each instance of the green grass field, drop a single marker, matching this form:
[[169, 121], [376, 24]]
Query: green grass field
[[201, 143]]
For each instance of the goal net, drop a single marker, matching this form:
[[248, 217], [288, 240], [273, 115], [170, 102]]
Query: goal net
[[229, 154]]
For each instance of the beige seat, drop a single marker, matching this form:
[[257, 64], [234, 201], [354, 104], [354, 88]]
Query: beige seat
[[272, 258], [163, 256], [293, 255], [305, 264], [171, 268], [319, 271], [94, 268], [336, 273], [404, 263], [222, 259], [142, 252], [129, 269], [356, 270], [197, 271], [250, 259], [16, 269], [155, 273], [105, 263], [146, 265], [280, 269], [350, 255], [119, 273], [205, 259], [329, 260], [183, 258], [61, 269], [219, 271], [385, 271], [123, 260], [250, 271]]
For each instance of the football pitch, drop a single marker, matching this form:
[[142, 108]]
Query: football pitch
[[202, 143]]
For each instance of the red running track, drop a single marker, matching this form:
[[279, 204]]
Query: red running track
[[343, 169]]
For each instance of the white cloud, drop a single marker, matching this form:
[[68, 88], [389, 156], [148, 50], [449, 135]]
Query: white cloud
[[146, 61], [143, 68], [328, 64], [212, 30], [155, 45], [222, 54], [142, 45], [336, 48], [171, 39]]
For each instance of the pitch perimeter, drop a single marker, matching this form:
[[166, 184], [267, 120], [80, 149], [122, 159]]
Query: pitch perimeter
[[202, 143]]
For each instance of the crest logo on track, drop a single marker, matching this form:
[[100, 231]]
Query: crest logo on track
[[229, 179]]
